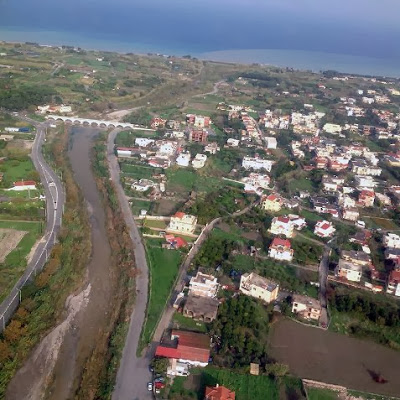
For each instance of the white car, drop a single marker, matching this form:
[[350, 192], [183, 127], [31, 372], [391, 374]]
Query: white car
[[150, 386]]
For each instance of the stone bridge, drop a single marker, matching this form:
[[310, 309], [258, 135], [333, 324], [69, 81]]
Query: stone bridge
[[97, 123]]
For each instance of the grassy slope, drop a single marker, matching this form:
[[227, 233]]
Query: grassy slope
[[164, 265], [15, 262]]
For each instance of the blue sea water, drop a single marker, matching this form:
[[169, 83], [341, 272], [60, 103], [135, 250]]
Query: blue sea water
[[359, 36]]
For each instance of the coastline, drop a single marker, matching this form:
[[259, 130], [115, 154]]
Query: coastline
[[301, 60]]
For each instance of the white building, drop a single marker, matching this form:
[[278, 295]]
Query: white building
[[257, 163], [233, 142], [282, 225], [182, 223], [124, 152], [350, 271], [143, 185], [257, 180], [333, 129], [258, 287], [23, 185], [204, 285], [324, 229], [280, 249], [143, 142], [199, 161], [365, 182], [183, 159], [271, 142], [391, 240]]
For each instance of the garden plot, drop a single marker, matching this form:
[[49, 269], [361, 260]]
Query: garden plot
[[9, 239]]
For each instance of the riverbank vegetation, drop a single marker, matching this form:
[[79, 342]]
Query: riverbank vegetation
[[43, 300]]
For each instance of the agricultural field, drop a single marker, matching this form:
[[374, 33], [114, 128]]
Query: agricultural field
[[16, 241], [334, 358], [164, 265]]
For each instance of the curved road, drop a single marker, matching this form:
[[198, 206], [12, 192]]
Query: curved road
[[54, 207], [133, 373]]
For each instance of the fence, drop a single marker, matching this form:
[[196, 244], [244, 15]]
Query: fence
[[41, 255]]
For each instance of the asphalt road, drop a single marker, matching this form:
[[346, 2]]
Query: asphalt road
[[54, 193], [133, 373]]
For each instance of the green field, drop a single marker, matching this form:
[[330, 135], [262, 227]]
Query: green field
[[164, 265], [246, 387], [189, 324], [138, 171], [15, 262], [185, 180], [322, 394], [15, 170], [138, 205], [149, 223]]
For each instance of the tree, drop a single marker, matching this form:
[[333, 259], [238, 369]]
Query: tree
[[276, 370], [13, 331], [160, 365], [5, 351]]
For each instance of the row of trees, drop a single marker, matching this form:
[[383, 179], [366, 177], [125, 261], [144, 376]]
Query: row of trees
[[376, 309]]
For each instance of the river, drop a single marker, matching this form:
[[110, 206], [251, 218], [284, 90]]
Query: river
[[80, 340]]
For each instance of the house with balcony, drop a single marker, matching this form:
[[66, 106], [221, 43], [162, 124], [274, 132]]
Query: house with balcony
[[254, 285], [182, 223], [204, 285], [348, 270], [271, 203], [306, 307], [282, 225], [281, 250], [324, 229], [351, 214]]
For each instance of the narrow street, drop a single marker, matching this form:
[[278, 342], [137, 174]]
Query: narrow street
[[133, 373]]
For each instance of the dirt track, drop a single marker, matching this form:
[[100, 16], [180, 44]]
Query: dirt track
[[333, 358]]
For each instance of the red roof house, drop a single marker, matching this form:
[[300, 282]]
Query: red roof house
[[219, 393], [192, 348]]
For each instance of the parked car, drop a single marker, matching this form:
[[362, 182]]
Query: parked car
[[150, 386]]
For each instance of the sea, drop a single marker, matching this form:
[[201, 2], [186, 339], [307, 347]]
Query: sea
[[352, 36]]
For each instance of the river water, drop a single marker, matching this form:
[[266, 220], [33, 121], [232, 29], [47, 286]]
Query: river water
[[81, 338]]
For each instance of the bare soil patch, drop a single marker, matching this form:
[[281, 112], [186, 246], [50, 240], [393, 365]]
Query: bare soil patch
[[9, 239], [252, 235], [334, 358], [166, 207]]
